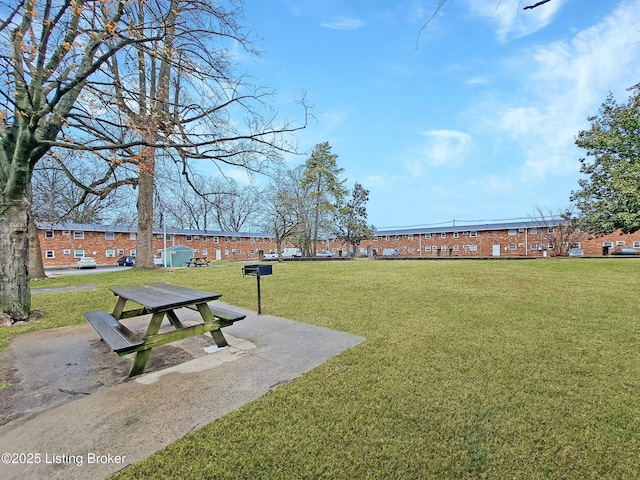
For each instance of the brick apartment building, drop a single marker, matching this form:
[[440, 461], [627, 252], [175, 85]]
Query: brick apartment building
[[512, 239], [63, 244]]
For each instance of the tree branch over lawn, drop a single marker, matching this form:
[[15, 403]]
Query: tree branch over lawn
[[441, 3]]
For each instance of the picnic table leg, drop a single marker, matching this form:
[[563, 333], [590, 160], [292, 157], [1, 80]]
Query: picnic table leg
[[207, 316], [142, 356], [139, 362], [119, 308], [173, 318]]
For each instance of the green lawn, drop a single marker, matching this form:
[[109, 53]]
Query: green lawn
[[471, 369]]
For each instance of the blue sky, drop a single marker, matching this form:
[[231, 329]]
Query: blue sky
[[475, 121]]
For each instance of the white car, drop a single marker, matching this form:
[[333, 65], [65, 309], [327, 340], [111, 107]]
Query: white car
[[87, 262], [270, 256], [324, 253]]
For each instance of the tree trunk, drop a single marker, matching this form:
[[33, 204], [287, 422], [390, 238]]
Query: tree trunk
[[36, 265], [15, 295], [144, 247]]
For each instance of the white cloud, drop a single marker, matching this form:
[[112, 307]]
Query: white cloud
[[440, 147], [562, 84], [344, 23], [509, 18]]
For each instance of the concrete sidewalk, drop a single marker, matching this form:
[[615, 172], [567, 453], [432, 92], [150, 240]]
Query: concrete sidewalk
[[74, 414]]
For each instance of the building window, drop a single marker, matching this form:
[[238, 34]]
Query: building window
[[78, 253], [512, 246], [66, 252], [550, 230], [427, 248], [49, 254], [443, 248], [48, 234], [189, 238], [410, 249], [470, 248], [410, 237], [132, 252], [443, 235], [636, 244], [133, 236], [533, 231], [534, 246], [110, 253], [120, 251], [427, 236], [109, 236], [456, 248], [78, 234], [216, 239], [397, 237], [550, 246], [513, 231], [456, 235], [473, 234], [620, 243], [607, 244], [205, 252], [204, 238]]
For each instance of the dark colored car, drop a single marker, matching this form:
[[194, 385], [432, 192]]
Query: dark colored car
[[625, 251], [126, 261]]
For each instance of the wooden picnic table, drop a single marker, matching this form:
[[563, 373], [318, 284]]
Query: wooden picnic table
[[198, 262], [159, 300]]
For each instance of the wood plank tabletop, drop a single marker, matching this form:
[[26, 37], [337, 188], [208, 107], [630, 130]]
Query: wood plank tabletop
[[162, 296]]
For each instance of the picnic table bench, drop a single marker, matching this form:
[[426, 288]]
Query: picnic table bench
[[198, 262], [159, 299]]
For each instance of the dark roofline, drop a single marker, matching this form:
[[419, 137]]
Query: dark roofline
[[472, 227], [91, 227], [379, 233]]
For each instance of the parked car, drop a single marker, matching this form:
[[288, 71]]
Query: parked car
[[291, 252], [324, 253], [576, 252], [158, 262], [625, 251], [270, 256], [87, 262], [127, 261]]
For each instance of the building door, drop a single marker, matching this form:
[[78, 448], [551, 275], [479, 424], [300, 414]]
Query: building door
[[495, 250], [218, 254]]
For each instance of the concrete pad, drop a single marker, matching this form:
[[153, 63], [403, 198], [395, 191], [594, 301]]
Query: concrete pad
[[74, 406]]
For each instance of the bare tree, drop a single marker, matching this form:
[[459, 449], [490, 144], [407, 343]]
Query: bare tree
[[209, 203], [558, 230], [48, 52], [180, 99], [57, 198], [60, 62], [283, 204]]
